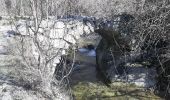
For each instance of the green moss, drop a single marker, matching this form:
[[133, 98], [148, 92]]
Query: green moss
[[96, 91]]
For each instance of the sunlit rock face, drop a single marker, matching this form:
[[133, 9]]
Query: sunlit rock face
[[59, 34]]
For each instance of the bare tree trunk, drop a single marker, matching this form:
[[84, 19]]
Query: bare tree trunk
[[47, 8]]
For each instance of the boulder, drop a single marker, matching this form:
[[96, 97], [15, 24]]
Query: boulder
[[111, 49]]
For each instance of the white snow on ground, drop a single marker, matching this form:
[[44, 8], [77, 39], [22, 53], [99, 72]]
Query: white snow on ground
[[4, 30], [3, 49], [140, 76]]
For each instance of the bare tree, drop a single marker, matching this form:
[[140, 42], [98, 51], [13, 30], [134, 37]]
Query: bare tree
[[38, 52], [41, 44]]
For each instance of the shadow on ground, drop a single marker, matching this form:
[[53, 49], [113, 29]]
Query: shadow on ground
[[86, 84]]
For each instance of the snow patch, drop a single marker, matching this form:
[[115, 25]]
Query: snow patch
[[140, 76]]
